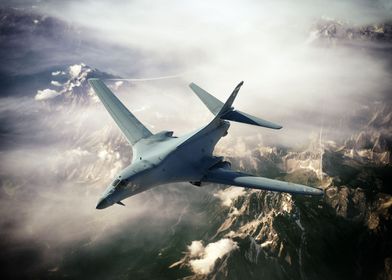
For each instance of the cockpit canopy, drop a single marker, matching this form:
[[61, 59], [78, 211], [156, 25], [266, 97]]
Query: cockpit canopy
[[118, 183]]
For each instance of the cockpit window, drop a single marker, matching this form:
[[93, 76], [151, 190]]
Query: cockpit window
[[123, 183], [119, 184]]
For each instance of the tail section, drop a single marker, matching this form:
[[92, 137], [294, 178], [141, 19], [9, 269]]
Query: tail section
[[227, 107], [225, 111]]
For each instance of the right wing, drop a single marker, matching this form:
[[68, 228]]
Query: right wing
[[131, 127], [227, 176]]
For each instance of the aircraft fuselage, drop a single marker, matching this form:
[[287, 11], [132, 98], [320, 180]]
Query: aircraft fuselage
[[162, 159]]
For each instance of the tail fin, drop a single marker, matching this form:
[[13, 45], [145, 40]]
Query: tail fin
[[225, 111], [227, 108]]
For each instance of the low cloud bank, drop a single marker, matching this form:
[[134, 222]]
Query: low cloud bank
[[46, 94], [228, 195], [209, 254]]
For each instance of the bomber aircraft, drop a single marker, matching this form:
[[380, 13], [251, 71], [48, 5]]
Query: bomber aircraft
[[163, 158]]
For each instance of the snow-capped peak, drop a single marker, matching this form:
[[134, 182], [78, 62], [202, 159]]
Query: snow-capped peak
[[70, 83]]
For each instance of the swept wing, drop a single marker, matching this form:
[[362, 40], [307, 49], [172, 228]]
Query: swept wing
[[131, 127], [227, 176]]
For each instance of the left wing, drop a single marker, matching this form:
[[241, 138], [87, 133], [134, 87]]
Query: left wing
[[131, 127], [227, 176]]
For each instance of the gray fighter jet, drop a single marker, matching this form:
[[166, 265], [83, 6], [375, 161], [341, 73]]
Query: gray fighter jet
[[162, 158]]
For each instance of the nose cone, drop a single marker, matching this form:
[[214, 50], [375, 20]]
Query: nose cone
[[103, 203]]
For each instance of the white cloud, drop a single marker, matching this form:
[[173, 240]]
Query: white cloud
[[118, 84], [46, 94], [141, 109], [196, 248], [55, 83], [263, 42], [75, 70], [210, 254], [56, 73], [229, 195], [151, 24]]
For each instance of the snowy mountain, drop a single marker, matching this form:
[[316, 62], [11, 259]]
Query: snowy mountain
[[329, 31], [70, 85], [276, 235]]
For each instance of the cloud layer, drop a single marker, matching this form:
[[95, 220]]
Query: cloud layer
[[209, 254], [288, 79]]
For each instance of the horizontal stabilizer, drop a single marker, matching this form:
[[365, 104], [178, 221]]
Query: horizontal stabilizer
[[238, 116], [227, 176], [225, 111]]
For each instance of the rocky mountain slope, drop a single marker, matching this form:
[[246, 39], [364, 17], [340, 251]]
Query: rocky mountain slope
[[330, 31], [279, 236]]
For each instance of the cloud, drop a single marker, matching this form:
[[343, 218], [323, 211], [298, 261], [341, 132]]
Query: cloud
[[56, 73], [56, 83], [151, 24], [118, 84], [209, 254], [266, 43], [46, 94], [196, 248], [74, 70], [228, 195]]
